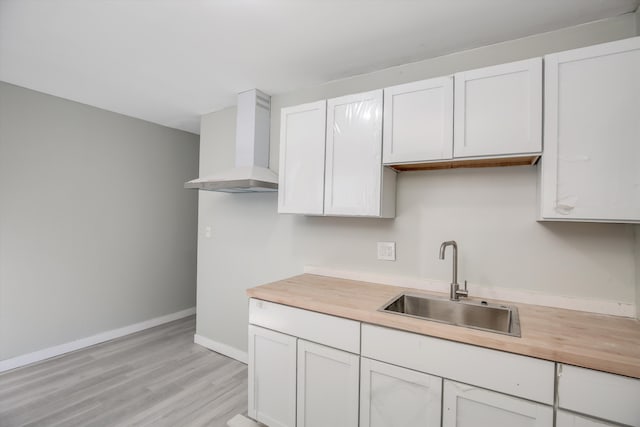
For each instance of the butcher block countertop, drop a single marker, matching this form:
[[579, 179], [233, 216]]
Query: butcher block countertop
[[605, 343]]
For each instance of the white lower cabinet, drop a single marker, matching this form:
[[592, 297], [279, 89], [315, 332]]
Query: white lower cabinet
[[469, 406], [328, 383], [304, 367], [272, 377], [608, 397], [391, 396], [507, 373], [569, 419], [309, 369]]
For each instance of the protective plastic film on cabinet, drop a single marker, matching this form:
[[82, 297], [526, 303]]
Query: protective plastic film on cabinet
[[590, 171], [356, 183]]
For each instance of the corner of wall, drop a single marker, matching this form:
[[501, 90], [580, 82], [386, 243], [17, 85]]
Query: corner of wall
[[637, 236]]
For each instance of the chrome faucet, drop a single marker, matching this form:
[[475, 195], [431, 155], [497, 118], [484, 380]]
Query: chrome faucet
[[456, 292]]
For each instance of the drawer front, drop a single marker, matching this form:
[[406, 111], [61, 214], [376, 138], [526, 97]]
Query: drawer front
[[607, 396], [496, 370], [332, 331], [570, 419]]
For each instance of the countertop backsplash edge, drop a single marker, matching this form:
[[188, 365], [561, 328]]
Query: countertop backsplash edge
[[613, 308]]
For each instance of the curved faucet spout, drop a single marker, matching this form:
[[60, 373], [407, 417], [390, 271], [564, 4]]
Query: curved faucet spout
[[444, 245], [456, 292]]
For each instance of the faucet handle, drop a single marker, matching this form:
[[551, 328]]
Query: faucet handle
[[463, 293]]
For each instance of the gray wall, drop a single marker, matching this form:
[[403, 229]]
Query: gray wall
[[96, 231], [490, 212]]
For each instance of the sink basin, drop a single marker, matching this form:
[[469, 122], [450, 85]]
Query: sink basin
[[498, 318]]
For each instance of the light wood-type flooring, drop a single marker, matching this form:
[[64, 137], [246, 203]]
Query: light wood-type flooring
[[157, 377]]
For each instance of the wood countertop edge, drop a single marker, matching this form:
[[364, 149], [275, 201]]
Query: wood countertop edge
[[534, 343]]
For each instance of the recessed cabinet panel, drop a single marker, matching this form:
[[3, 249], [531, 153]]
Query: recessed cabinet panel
[[353, 176], [599, 394], [302, 142], [272, 377], [418, 121], [328, 386], [468, 406], [590, 170], [498, 110], [391, 396]]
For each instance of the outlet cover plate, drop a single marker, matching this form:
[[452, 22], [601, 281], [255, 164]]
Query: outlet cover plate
[[387, 251]]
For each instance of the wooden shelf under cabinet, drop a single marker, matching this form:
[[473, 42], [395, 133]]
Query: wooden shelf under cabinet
[[468, 163]]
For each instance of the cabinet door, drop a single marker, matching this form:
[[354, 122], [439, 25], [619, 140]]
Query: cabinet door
[[302, 142], [353, 177], [418, 121], [391, 396], [498, 110], [468, 406], [272, 377], [328, 381], [569, 419], [599, 394], [592, 138]]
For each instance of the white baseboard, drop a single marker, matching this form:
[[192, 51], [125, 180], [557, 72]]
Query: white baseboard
[[218, 347], [57, 350], [592, 305]]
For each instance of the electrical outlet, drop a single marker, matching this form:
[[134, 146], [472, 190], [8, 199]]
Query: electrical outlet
[[387, 251]]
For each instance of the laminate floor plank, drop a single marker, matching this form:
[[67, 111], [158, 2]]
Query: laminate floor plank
[[156, 377], [179, 402]]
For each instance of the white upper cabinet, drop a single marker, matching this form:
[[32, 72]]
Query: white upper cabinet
[[356, 184], [498, 110], [418, 121], [302, 142], [591, 165]]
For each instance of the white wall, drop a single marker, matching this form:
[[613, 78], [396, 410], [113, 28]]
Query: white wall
[[638, 226], [96, 230], [490, 212], [638, 271]]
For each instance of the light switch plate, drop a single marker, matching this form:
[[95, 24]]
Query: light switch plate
[[387, 251]]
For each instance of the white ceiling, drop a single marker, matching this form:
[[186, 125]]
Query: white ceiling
[[170, 61]]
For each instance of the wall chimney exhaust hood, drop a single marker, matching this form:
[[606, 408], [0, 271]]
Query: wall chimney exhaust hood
[[252, 173]]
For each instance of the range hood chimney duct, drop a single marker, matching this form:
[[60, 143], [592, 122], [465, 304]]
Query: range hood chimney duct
[[252, 173]]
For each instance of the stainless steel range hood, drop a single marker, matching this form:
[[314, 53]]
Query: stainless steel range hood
[[252, 173]]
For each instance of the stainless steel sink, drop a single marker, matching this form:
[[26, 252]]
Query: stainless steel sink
[[482, 315]]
